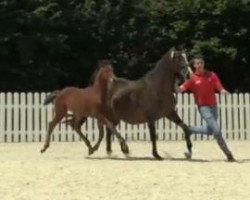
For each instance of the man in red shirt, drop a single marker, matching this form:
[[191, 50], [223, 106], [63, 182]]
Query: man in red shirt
[[203, 84]]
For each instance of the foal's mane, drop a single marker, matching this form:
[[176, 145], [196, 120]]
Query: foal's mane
[[100, 64], [104, 89]]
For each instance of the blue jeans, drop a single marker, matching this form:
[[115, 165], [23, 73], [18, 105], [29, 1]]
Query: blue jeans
[[210, 115]]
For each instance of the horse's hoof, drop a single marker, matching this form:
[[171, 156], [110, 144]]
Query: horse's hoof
[[157, 157], [109, 152], [91, 151], [188, 155], [231, 159], [126, 155], [125, 148], [126, 151]]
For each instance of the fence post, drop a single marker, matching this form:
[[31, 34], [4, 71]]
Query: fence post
[[23, 118], [223, 117], [15, 117], [247, 115], [241, 117], [9, 117], [2, 116]]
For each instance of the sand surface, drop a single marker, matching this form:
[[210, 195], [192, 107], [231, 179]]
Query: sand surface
[[65, 172]]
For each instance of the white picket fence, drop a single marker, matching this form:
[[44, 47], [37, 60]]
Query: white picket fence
[[23, 118]]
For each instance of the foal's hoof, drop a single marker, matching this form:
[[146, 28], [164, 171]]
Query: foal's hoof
[[45, 147], [188, 155], [42, 150]]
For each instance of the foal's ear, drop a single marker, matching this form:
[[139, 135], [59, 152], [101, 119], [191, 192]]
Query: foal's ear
[[104, 63]]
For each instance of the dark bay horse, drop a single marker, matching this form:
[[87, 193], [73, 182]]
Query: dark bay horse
[[151, 97], [83, 103], [148, 99]]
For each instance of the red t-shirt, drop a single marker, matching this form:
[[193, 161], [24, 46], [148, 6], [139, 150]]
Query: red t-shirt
[[203, 86]]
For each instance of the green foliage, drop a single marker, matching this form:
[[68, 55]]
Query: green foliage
[[49, 44]]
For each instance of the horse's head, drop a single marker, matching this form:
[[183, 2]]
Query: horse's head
[[180, 63], [105, 72]]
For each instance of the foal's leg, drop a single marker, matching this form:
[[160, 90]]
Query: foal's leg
[[151, 126], [174, 117], [60, 111], [101, 133], [77, 127], [52, 125]]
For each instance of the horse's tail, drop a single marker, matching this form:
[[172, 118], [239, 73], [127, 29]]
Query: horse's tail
[[51, 97]]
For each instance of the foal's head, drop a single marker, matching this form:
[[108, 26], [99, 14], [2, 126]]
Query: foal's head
[[105, 72], [179, 62]]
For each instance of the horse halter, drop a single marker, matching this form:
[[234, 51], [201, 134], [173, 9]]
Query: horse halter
[[185, 69]]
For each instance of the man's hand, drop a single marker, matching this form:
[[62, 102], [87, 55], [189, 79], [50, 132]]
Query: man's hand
[[224, 92], [178, 88]]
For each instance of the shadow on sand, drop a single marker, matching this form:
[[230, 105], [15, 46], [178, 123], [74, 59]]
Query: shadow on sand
[[166, 158], [133, 158]]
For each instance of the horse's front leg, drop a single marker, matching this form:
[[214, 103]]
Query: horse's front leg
[[111, 126], [151, 126], [174, 117]]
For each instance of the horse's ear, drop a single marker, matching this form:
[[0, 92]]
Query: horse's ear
[[180, 47], [172, 53]]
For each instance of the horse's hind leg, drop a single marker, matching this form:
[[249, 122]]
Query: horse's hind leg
[[101, 133], [109, 138], [152, 132], [108, 141], [77, 123], [173, 116]]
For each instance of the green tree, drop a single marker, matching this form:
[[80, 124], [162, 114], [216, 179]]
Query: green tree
[[49, 44]]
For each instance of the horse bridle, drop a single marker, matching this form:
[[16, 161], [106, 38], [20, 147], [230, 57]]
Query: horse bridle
[[189, 70]]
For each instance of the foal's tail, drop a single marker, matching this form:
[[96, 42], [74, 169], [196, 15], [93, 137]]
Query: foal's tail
[[51, 97]]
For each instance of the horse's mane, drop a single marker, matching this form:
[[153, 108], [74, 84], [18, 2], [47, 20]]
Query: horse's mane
[[158, 65]]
